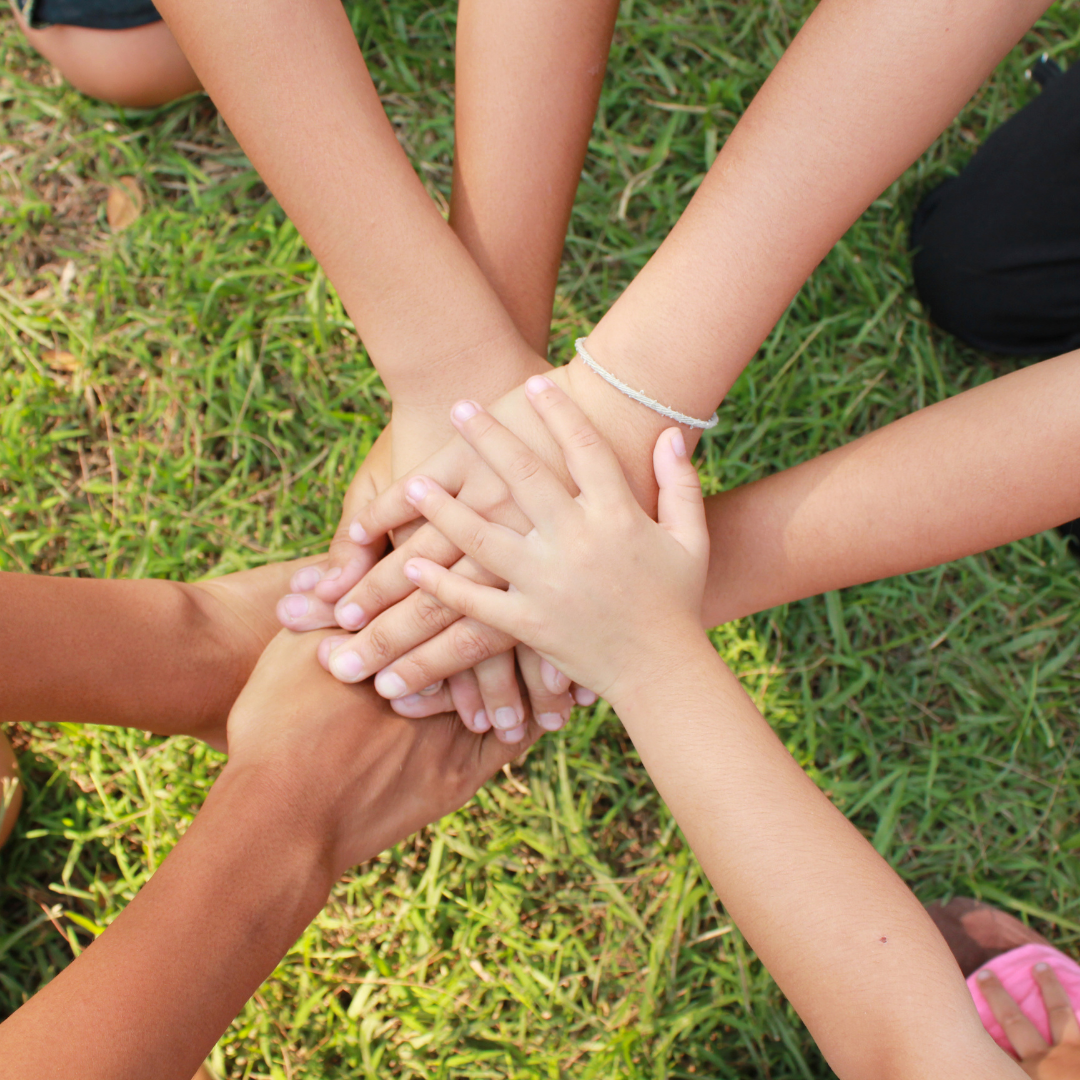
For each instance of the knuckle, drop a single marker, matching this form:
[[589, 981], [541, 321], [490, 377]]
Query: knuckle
[[471, 643], [378, 645], [418, 671], [372, 594], [584, 438], [430, 612], [523, 467]]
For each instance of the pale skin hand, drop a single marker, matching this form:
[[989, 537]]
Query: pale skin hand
[[986, 467], [1061, 1061], [863, 90], [602, 590], [321, 776]]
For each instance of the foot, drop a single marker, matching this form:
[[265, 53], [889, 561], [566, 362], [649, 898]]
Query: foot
[[977, 932]]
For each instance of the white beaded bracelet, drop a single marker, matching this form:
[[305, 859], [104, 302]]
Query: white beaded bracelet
[[644, 399]]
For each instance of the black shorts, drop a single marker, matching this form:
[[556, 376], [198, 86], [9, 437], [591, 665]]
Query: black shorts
[[97, 14]]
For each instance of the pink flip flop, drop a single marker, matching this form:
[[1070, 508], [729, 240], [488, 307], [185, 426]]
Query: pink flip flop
[[1013, 969]]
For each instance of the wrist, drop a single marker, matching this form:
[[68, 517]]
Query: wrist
[[288, 823], [483, 371], [630, 427], [679, 659]]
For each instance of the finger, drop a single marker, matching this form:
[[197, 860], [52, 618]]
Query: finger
[[469, 705], [457, 649], [328, 645], [392, 509], [497, 680], [421, 706], [680, 507], [555, 681], [348, 561], [305, 611], [386, 585], [539, 493], [482, 603], [591, 462], [1021, 1032], [1063, 1024], [551, 710], [381, 645], [493, 546]]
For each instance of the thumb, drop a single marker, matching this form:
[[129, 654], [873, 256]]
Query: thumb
[[680, 507]]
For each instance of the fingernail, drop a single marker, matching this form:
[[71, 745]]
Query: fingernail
[[538, 384], [390, 685], [307, 578], [584, 697], [463, 410], [982, 976], [1042, 967], [506, 718], [434, 688], [409, 699], [553, 678], [678, 443], [412, 570], [333, 575], [514, 734], [357, 534], [550, 721], [416, 490], [351, 616], [346, 666], [480, 722], [296, 605]]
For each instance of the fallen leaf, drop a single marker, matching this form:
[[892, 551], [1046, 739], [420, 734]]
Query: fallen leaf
[[125, 203], [67, 277], [59, 361]]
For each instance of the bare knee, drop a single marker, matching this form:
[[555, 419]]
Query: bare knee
[[139, 68]]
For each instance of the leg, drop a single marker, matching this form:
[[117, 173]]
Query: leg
[[997, 259], [139, 67]]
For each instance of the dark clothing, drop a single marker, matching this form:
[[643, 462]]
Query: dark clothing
[[997, 249], [97, 14]]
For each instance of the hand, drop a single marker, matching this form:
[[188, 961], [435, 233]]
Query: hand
[[1058, 1062], [418, 641], [596, 579], [361, 777], [485, 695], [305, 608]]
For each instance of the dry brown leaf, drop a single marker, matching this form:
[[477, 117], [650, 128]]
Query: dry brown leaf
[[125, 203], [59, 361]]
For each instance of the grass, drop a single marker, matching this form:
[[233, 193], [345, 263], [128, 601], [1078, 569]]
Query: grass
[[194, 401]]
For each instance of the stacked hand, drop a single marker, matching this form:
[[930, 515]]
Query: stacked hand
[[410, 641]]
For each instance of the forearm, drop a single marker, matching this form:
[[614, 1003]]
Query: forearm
[[143, 654], [292, 85], [986, 467], [529, 74], [154, 993], [863, 90], [846, 941]]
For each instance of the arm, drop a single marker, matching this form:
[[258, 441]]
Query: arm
[[292, 85], [988, 466], [529, 74], [613, 599], [861, 92], [320, 777], [163, 656]]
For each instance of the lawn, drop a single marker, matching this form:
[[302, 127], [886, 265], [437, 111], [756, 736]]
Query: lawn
[[186, 396]]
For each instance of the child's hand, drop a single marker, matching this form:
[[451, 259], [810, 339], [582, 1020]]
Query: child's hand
[[596, 581], [359, 777], [1058, 1062]]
